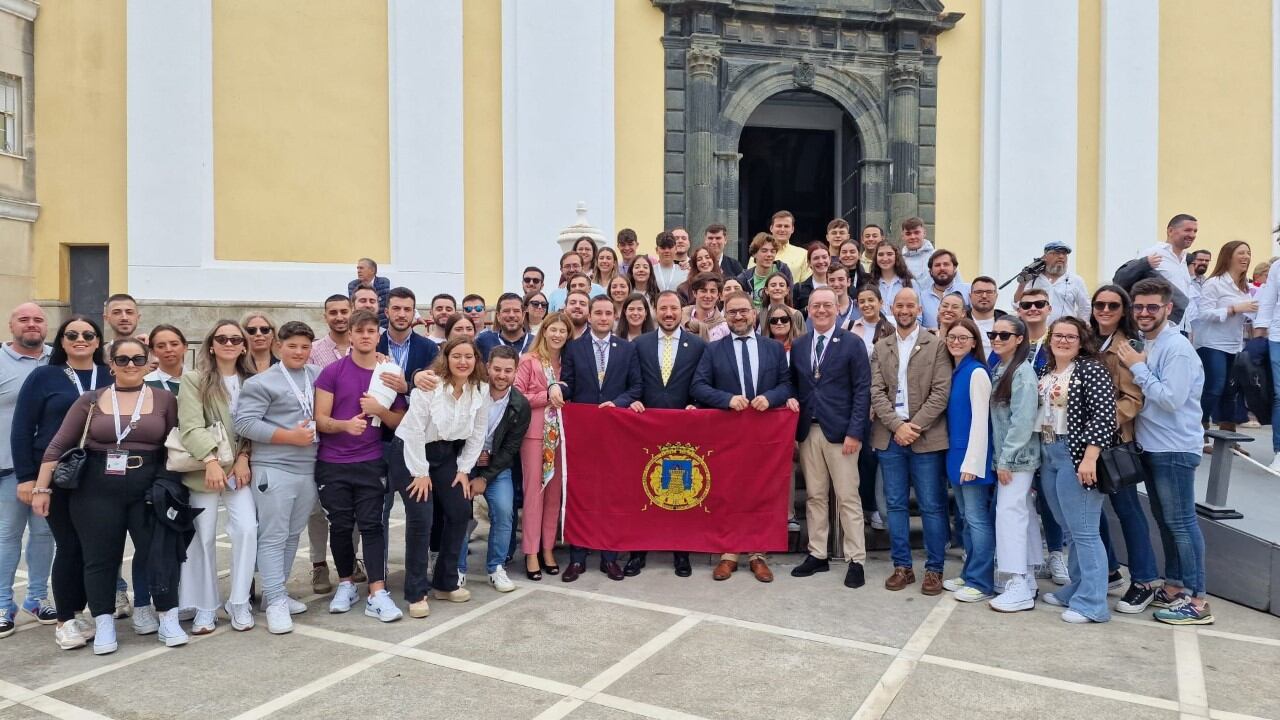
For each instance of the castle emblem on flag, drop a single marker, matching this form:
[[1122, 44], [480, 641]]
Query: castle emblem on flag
[[676, 477]]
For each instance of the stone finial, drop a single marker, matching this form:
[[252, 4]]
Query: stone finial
[[582, 227]]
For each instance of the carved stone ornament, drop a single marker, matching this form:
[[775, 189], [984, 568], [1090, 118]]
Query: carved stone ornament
[[804, 74], [703, 60]]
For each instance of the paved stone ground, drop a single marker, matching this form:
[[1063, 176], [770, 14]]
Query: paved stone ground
[[659, 646]]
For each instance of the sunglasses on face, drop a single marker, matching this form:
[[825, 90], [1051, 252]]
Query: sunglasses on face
[[1002, 335], [121, 361], [257, 330], [541, 305], [473, 308], [1101, 306], [1037, 304], [228, 339], [74, 335], [779, 321], [1147, 309], [531, 280]]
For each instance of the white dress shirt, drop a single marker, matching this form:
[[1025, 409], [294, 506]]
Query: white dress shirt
[[1217, 327], [753, 352], [1067, 295], [901, 404]]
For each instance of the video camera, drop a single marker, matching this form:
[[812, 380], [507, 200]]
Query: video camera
[[1034, 268]]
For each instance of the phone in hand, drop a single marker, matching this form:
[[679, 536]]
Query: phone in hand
[[1138, 344]]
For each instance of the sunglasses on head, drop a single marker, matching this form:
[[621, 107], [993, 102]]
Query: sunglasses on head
[[473, 308], [121, 361], [1037, 304], [258, 329], [780, 320], [1104, 306], [540, 304], [74, 335], [1001, 335], [228, 339]]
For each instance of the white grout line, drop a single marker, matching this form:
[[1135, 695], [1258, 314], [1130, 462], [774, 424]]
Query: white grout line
[[6, 704], [63, 710], [640, 708], [103, 670], [614, 599], [1050, 682], [1224, 715], [895, 676], [1193, 698], [803, 635], [1235, 636]]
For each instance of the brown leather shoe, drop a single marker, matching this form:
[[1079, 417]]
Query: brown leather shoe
[[724, 569], [901, 577], [932, 584], [761, 570]]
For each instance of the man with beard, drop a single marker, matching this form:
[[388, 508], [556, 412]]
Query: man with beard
[[576, 308], [442, 308], [1067, 292], [509, 328], [120, 313], [1198, 266], [944, 272], [1168, 259], [982, 308], [18, 358]]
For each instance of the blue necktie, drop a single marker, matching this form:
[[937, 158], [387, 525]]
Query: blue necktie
[[748, 387]]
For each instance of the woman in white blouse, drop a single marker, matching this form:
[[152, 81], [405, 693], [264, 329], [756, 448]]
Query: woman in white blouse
[[443, 434], [1219, 333]]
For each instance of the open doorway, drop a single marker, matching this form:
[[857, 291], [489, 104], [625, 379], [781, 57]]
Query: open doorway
[[800, 153]]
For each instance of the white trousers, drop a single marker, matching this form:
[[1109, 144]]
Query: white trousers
[[1017, 526], [199, 584]]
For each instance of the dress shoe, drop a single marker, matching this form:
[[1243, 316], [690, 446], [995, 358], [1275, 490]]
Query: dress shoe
[[534, 575], [635, 564], [761, 570], [932, 584], [901, 577], [683, 569], [612, 569], [810, 566], [572, 571], [724, 569], [854, 577]]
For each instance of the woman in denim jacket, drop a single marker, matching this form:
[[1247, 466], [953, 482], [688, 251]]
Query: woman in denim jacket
[[1014, 401]]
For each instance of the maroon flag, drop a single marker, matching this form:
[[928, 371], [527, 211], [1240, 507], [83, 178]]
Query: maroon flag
[[692, 480]]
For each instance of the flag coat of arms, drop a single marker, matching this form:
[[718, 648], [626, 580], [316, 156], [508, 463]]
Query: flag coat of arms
[[691, 480]]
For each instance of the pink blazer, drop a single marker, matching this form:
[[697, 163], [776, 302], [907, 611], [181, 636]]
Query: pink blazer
[[532, 383]]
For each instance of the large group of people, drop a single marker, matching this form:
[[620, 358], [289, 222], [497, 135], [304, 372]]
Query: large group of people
[[905, 379]]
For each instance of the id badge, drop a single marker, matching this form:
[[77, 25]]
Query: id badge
[[117, 462], [315, 436]]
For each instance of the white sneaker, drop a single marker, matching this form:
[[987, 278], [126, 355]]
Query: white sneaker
[[1018, 595], [124, 606], [104, 638], [145, 621], [1058, 568], [877, 522], [1275, 463], [205, 622], [500, 582], [971, 594], [86, 627], [241, 616], [186, 614], [460, 595], [953, 584], [462, 580], [171, 633], [1074, 617], [278, 620], [344, 597], [68, 636], [1053, 600], [296, 607], [381, 606]]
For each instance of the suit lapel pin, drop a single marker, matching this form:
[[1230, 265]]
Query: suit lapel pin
[[613, 344], [835, 339]]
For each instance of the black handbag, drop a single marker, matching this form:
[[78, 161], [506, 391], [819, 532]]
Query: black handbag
[[70, 468], [1120, 466]]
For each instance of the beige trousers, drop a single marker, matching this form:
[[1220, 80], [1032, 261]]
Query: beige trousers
[[825, 467]]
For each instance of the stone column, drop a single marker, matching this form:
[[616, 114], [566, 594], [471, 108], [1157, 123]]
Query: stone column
[[904, 140], [873, 194], [702, 102], [726, 205]]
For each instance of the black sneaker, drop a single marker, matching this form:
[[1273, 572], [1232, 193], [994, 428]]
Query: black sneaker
[[1115, 581], [810, 566], [6, 623], [1163, 599], [1136, 599], [854, 577]]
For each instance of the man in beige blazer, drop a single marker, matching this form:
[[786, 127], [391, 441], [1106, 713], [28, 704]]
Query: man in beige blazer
[[910, 383]]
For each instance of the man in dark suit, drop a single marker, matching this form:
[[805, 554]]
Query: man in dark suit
[[411, 351], [738, 372], [667, 358], [599, 368], [832, 377]]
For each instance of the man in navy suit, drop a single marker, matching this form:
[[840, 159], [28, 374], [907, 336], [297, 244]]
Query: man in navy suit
[[667, 358], [738, 372], [599, 368], [832, 377]]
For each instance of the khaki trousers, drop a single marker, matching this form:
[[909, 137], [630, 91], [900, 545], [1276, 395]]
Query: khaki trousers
[[825, 467]]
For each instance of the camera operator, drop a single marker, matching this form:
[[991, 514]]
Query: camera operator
[[1067, 293]]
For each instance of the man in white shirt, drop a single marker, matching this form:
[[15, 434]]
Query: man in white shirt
[[1168, 259], [667, 274], [442, 308], [1067, 292]]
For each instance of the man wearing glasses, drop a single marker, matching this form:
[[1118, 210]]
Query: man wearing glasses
[[1067, 292], [1034, 309], [531, 280], [982, 308]]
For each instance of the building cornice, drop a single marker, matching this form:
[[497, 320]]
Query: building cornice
[[25, 9], [17, 209]]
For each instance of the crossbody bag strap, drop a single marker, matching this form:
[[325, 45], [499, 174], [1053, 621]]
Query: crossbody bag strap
[[84, 435]]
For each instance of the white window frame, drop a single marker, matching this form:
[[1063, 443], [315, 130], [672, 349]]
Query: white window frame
[[11, 113]]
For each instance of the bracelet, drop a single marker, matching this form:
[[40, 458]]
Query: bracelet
[[41, 491]]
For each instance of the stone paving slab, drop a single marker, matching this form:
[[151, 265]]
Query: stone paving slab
[[1242, 677]]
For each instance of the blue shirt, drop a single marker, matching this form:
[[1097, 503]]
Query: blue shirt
[[1171, 380], [490, 339], [929, 302], [555, 301], [14, 370]]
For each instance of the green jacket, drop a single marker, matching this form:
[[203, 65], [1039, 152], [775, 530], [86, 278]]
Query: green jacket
[[194, 422]]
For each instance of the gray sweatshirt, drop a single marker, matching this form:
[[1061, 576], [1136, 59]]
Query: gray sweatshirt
[[268, 403]]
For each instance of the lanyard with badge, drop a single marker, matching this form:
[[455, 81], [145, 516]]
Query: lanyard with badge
[[93, 380], [118, 460], [304, 398]]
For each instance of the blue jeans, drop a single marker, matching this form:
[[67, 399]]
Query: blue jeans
[[1172, 491], [1078, 510], [903, 469], [1274, 347], [1137, 535], [15, 518], [979, 535], [1052, 530], [500, 494], [1218, 399]]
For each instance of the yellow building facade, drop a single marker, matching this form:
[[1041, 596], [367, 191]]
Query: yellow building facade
[[238, 153]]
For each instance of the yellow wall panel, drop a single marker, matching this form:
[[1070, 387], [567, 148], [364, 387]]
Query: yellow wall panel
[[482, 146], [1088, 129], [80, 124], [639, 107], [958, 224], [1215, 129], [300, 130]]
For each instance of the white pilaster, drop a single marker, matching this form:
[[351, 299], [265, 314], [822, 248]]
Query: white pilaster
[[1129, 137], [557, 130], [1275, 117]]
